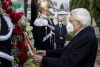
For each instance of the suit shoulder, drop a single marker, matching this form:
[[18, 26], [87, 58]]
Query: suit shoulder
[[89, 35], [37, 20], [40, 22]]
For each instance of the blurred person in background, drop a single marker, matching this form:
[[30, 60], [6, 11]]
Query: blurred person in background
[[60, 33]]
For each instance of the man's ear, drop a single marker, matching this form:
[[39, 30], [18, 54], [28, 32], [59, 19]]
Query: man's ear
[[79, 24]]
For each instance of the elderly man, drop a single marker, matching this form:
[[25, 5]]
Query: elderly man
[[81, 50], [60, 33]]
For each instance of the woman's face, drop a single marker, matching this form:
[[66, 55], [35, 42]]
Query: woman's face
[[45, 12]]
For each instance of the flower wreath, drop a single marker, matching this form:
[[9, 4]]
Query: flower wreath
[[22, 38]]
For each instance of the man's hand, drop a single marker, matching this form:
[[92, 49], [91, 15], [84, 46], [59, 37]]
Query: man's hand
[[61, 38], [41, 52], [36, 58]]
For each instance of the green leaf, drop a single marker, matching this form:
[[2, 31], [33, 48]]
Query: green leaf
[[17, 59]]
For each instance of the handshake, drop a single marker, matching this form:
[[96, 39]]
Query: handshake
[[38, 56]]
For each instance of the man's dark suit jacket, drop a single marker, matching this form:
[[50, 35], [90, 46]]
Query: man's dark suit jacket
[[63, 34], [80, 52]]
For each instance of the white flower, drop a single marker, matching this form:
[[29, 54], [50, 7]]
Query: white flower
[[23, 17], [26, 33], [27, 24], [30, 33], [31, 27], [30, 36], [28, 28], [22, 21]]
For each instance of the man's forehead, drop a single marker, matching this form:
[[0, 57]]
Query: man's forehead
[[70, 17]]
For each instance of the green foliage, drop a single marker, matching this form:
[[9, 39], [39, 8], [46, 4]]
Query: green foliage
[[69, 36], [25, 7], [87, 4], [92, 5], [97, 3], [1, 0], [83, 4], [74, 4], [98, 46], [79, 3], [95, 10], [71, 4], [62, 6], [98, 23]]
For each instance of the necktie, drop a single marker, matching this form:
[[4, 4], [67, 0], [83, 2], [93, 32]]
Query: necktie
[[60, 28]]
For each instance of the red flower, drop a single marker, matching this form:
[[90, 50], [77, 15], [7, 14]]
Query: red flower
[[12, 14], [18, 27], [8, 11], [16, 30], [15, 16], [22, 57], [21, 63], [19, 15], [9, 2], [21, 45], [4, 5], [14, 20], [12, 46], [22, 34]]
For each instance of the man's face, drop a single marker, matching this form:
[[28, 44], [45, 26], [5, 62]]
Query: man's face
[[76, 24], [59, 20]]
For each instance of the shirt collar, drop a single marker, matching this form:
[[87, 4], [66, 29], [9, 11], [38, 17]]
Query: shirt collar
[[60, 23], [78, 31], [45, 16]]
